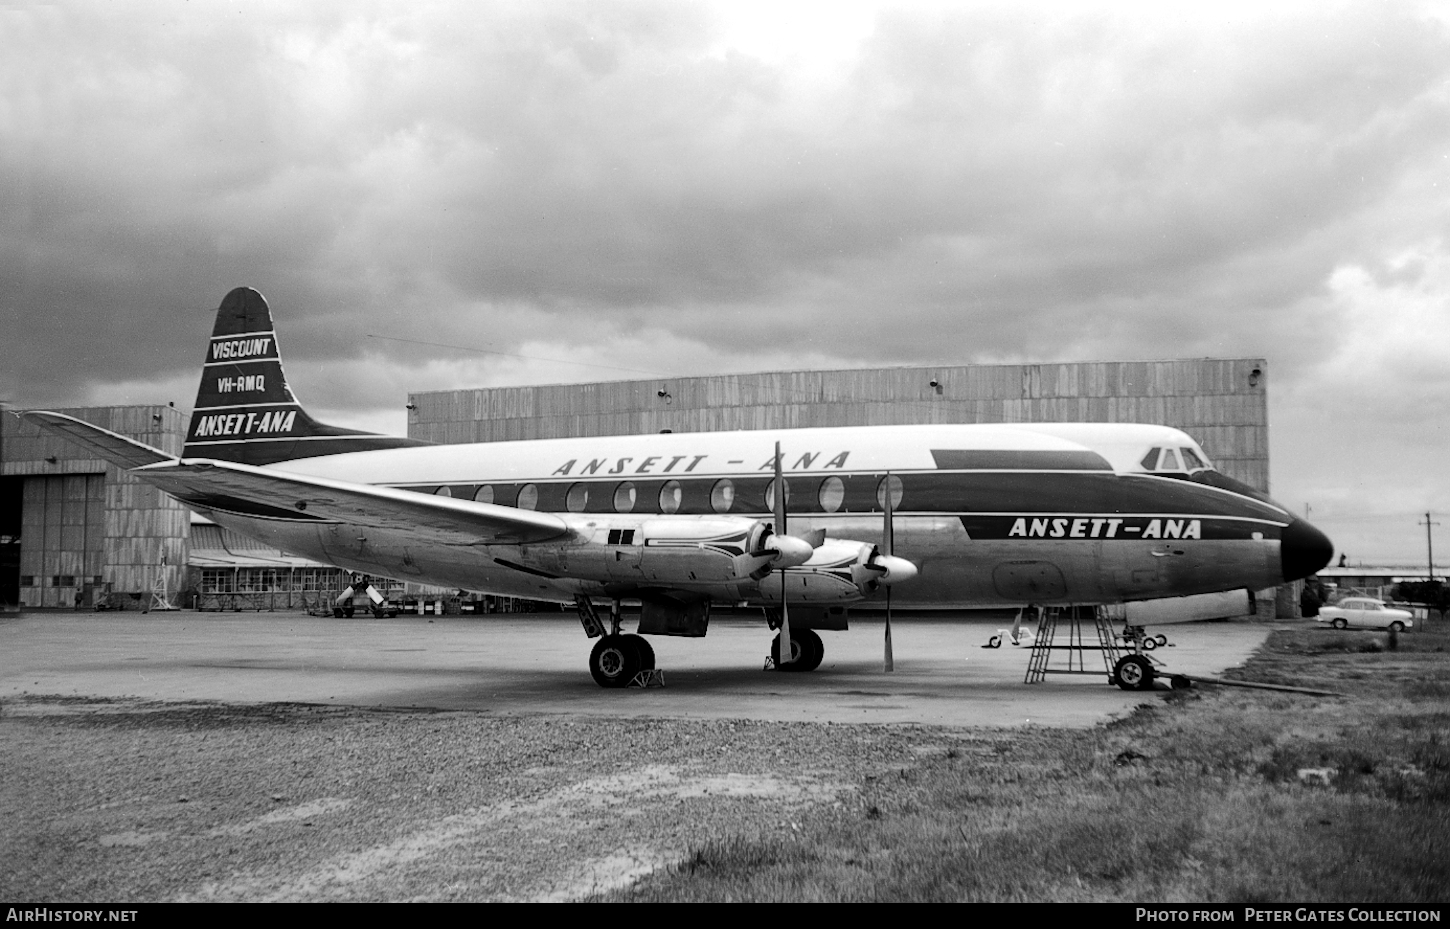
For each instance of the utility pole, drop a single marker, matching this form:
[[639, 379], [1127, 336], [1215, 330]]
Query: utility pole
[[1429, 546]]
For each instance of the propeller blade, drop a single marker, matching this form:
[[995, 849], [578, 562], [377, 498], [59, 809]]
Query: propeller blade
[[890, 665], [888, 534], [784, 653]]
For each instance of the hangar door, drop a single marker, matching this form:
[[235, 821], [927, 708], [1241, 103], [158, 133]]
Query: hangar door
[[62, 538]]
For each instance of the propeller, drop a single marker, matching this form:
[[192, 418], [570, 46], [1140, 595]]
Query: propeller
[[783, 654], [887, 543]]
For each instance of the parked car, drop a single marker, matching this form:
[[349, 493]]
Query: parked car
[[1365, 613]]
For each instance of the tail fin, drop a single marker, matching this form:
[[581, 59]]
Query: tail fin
[[245, 410]]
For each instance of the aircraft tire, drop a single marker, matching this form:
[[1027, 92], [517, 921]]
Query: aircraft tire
[[812, 648], [1149, 643], [646, 651], [614, 661], [1133, 672], [1161, 639], [798, 652]]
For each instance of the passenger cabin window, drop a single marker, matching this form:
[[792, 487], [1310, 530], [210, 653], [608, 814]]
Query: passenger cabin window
[[624, 496], [722, 495], [528, 497], [670, 497], [484, 494]]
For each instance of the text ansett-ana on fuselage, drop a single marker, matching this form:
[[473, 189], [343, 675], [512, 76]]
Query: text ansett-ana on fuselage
[[982, 515]]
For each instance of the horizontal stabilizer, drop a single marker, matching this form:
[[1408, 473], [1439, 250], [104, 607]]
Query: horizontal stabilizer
[[231, 487], [103, 443]]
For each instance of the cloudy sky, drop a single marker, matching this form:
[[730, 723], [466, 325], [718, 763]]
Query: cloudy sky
[[676, 187]]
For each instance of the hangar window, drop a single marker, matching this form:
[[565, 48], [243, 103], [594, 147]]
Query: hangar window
[[770, 494], [577, 498], [529, 497], [894, 483], [444, 491], [722, 495], [1150, 460], [832, 494], [484, 494], [624, 496], [670, 495]]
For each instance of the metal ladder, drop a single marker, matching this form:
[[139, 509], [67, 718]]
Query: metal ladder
[[1075, 648]]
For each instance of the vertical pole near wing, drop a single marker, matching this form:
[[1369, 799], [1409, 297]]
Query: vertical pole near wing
[[784, 654], [888, 542]]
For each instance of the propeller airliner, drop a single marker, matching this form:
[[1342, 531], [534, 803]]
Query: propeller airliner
[[934, 516]]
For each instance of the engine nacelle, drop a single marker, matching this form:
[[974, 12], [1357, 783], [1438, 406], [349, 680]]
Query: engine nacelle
[[712, 554], [839, 571]]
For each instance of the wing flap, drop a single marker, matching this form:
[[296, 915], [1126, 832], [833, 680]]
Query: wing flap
[[109, 446], [219, 485]]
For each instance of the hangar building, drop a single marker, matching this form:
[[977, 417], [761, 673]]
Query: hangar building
[[74, 528]]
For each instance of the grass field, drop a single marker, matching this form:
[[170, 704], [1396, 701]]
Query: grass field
[[1217, 794]]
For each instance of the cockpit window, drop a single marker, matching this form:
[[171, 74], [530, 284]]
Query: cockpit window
[[1191, 459], [1150, 460], [1170, 461]]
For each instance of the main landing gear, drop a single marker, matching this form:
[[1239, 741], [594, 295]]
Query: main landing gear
[[806, 651], [617, 658]]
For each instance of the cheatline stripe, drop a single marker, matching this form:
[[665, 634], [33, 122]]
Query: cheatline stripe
[[294, 438]]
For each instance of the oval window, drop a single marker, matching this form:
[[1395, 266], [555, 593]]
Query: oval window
[[624, 498], [670, 495], [894, 482], [529, 497], [577, 498], [722, 495], [832, 494], [444, 491], [770, 494], [484, 494]]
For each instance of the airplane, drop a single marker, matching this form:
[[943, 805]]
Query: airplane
[[945, 516]]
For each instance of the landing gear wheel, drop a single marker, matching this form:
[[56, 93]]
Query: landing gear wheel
[[1149, 643], [805, 654], [1133, 672], [646, 651], [1340, 623], [815, 649], [615, 661], [1161, 639]]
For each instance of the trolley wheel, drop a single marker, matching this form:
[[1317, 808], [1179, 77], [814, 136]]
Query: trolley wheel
[[1133, 672]]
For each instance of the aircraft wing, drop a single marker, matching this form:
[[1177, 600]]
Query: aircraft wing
[[254, 491], [117, 449], [233, 487]]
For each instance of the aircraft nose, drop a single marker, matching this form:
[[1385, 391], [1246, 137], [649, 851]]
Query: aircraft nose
[[1303, 550]]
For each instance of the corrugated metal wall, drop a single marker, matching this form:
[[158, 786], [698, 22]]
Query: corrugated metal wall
[[83, 519], [1221, 402]]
